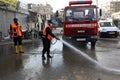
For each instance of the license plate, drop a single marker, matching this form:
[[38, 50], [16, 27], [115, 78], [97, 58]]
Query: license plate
[[111, 32], [80, 31], [81, 39]]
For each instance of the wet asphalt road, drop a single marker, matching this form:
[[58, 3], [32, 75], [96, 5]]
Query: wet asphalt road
[[72, 61]]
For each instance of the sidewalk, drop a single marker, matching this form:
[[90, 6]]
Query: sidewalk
[[6, 42]]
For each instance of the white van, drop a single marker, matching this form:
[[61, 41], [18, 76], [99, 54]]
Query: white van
[[107, 28]]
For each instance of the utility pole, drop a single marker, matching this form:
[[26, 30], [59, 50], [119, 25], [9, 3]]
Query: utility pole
[[97, 3]]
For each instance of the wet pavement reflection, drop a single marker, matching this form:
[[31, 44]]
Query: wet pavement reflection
[[67, 63]]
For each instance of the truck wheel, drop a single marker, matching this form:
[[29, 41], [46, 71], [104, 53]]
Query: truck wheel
[[93, 44], [116, 36], [65, 38], [100, 35]]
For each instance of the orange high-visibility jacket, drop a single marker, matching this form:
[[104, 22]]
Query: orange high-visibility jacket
[[44, 32], [16, 30]]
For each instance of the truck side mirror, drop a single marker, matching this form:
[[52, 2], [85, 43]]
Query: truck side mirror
[[100, 12], [57, 14]]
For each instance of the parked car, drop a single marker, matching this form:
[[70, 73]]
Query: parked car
[[107, 29]]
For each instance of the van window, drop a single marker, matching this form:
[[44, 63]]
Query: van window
[[106, 24]]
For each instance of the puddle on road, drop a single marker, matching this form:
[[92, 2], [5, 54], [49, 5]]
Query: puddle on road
[[27, 66], [32, 65]]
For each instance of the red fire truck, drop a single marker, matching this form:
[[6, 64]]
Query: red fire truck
[[81, 21]]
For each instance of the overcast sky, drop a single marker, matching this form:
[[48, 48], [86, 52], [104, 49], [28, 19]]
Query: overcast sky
[[58, 4]]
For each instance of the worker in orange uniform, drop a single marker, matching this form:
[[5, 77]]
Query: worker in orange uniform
[[46, 38], [16, 34]]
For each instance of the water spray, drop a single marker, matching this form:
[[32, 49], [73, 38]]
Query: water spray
[[111, 70]]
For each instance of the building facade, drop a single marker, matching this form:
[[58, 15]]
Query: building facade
[[113, 6], [8, 11], [110, 8], [42, 10]]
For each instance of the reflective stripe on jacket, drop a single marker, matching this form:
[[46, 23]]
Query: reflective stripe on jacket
[[16, 30], [44, 32]]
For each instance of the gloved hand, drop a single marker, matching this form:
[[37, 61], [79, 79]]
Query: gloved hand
[[57, 38]]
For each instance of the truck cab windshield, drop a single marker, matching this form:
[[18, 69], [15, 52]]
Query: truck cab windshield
[[80, 14]]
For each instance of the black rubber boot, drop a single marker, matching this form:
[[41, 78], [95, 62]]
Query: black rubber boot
[[48, 56], [43, 57]]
